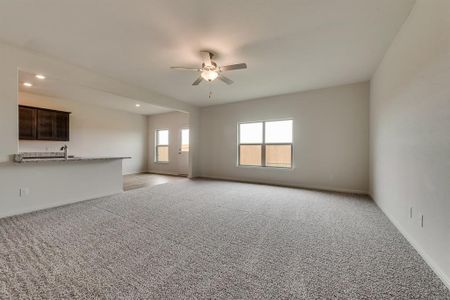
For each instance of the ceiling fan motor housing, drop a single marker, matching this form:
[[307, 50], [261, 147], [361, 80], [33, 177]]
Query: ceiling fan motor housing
[[212, 67]]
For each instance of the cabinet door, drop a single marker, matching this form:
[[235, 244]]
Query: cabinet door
[[46, 129], [27, 123], [61, 126]]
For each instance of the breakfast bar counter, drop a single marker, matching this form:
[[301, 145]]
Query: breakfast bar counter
[[39, 157], [33, 181], [62, 159]]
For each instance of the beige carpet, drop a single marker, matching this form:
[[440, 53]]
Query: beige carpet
[[212, 239]]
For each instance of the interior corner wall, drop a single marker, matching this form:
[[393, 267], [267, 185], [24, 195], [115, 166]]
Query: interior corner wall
[[95, 131], [410, 133], [194, 143], [8, 107], [174, 122], [330, 131]]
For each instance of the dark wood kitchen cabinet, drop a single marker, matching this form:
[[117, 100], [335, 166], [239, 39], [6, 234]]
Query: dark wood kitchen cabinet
[[27, 123], [43, 124], [62, 126]]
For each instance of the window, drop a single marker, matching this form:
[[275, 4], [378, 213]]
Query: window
[[162, 145], [266, 144], [185, 140]]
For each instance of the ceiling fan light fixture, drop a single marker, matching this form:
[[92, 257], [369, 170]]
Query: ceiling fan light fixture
[[209, 75], [210, 71]]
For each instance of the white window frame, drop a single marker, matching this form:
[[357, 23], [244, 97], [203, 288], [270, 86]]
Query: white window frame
[[157, 145], [264, 144]]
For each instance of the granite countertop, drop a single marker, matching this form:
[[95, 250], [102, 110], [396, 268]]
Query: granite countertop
[[33, 157], [62, 159]]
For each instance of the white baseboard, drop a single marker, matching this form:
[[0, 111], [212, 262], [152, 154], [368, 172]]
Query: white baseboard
[[427, 258], [164, 172], [54, 205], [307, 187], [134, 172]]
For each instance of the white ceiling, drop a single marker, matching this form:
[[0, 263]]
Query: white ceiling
[[60, 89], [288, 45]]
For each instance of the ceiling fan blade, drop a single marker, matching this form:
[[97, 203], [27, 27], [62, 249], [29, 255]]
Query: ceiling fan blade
[[186, 68], [234, 67], [197, 82], [206, 57], [226, 79]]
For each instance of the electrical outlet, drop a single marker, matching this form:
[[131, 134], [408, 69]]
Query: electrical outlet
[[419, 218], [23, 192]]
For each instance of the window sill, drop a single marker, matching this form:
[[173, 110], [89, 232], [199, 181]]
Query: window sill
[[266, 168]]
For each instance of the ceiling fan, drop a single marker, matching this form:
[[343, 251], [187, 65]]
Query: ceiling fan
[[211, 71]]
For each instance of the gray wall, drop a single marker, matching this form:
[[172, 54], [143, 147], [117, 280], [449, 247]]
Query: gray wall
[[410, 132], [331, 144]]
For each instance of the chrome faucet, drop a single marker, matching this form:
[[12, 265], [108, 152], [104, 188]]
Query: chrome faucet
[[66, 156]]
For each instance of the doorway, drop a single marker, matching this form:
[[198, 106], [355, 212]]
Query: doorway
[[169, 143]]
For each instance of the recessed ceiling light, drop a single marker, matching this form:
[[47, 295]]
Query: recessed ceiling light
[[40, 76], [27, 84], [138, 105]]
